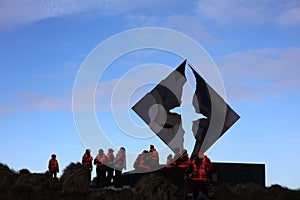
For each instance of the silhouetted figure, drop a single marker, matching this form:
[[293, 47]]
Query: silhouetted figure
[[183, 161], [176, 156], [119, 164], [53, 166], [110, 168], [169, 161], [152, 159], [140, 164], [196, 175], [177, 172], [87, 160], [100, 161]]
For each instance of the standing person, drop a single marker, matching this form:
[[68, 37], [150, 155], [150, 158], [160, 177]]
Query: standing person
[[153, 158], [176, 171], [53, 166], [176, 156], [87, 160], [100, 161], [119, 164], [196, 174], [182, 163], [183, 160], [169, 161], [140, 164], [109, 163]]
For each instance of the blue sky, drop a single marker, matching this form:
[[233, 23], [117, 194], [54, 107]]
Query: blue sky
[[255, 45]]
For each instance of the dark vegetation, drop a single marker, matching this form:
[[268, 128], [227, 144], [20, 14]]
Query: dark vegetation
[[73, 185]]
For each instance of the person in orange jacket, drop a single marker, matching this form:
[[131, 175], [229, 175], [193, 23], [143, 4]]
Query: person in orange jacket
[[176, 156], [169, 161], [140, 164], [110, 170], [183, 161], [119, 164], [152, 159], [100, 161], [53, 166], [197, 175], [87, 160]]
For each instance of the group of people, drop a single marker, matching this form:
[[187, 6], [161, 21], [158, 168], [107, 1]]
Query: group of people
[[106, 164], [179, 160], [147, 160], [192, 172]]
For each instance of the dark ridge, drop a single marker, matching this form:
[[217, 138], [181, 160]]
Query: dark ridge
[[73, 184]]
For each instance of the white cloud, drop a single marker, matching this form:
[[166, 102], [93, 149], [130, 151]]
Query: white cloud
[[29, 100], [14, 13], [249, 12], [291, 16], [190, 25], [257, 73]]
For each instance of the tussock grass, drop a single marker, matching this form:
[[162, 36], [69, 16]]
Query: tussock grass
[[155, 186], [73, 185], [75, 178]]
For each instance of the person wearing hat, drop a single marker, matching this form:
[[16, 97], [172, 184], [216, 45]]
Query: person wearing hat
[[53, 166], [109, 166], [119, 164]]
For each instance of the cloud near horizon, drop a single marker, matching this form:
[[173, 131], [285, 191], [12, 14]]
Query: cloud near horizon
[[29, 100], [256, 73], [248, 76]]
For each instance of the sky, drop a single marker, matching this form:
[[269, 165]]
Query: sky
[[254, 44]]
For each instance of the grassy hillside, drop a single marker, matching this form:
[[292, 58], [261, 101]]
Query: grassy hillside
[[73, 184]]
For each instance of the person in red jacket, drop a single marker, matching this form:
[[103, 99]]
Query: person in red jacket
[[100, 161], [183, 161], [169, 161], [119, 164], [181, 164], [152, 159], [140, 164], [87, 160], [53, 166], [197, 175], [110, 168], [176, 156]]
